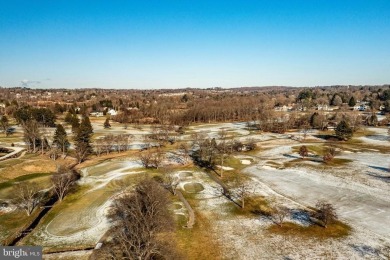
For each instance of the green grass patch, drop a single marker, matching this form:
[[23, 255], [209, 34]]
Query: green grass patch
[[13, 222], [338, 162], [335, 230], [362, 147], [10, 162], [23, 178], [318, 164], [234, 163], [43, 179], [198, 243]]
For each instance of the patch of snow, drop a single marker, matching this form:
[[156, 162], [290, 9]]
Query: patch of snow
[[104, 179], [225, 168], [246, 162], [7, 209]]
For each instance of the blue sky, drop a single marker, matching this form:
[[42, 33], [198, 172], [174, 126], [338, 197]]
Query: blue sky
[[176, 44]]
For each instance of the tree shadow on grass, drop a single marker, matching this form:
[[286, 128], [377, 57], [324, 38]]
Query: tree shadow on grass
[[291, 156], [380, 177], [365, 251], [312, 158], [379, 168], [301, 216], [327, 137]]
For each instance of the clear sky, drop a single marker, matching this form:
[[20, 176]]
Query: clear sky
[[175, 44]]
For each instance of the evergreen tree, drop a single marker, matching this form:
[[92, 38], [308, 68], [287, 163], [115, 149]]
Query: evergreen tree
[[372, 120], [60, 139], [68, 118], [75, 123], [314, 120], [336, 100], [352, 102], [343, 130], [107, 123], [4, 124], [87, 123], [82, 139], [303, 151]]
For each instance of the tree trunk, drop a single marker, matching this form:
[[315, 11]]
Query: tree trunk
[[222, 166]]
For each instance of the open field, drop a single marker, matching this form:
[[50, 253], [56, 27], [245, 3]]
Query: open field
[[356, 182]]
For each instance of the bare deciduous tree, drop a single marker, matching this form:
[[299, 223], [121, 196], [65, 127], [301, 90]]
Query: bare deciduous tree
[[63, 180], [325, 212], [28, 196], [152, 158], [303, 151], [170, 181], [250, 144], [4, 124], [305, 128], [279, 215], [185, 151], [139, 218], [243, 191], [222, 149], [329, 154], [82, 151], [32, 134]]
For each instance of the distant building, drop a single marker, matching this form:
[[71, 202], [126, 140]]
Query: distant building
[[96, 114], [360, 107], [112, 112], [283, 108]]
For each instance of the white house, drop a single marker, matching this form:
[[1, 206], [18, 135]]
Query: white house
[[96, 114], [325, 108], [112, 112], [283, 108]]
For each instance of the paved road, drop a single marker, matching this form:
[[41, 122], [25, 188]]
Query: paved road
[[15, 150]]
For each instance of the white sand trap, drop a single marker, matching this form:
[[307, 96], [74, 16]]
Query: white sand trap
[[225, 168], [246, 162]]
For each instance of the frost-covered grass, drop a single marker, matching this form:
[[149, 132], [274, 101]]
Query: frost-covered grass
[[355, 182], [80, 219]]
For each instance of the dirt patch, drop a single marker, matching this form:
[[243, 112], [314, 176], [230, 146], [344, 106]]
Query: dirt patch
[[39, 168]]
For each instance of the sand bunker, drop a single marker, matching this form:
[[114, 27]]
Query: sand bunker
[[246, 162], [184, 175], [193, 187]]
